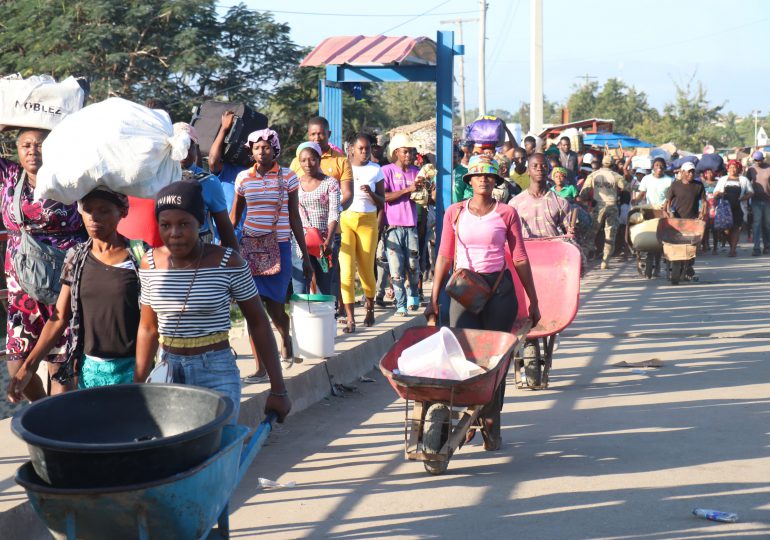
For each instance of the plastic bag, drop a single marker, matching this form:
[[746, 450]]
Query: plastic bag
[[486, 130], [117, 143], [439, 356], [641, 162], [39, 101]]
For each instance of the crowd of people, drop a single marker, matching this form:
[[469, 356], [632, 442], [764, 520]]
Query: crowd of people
[[142, 278], [589, 197]]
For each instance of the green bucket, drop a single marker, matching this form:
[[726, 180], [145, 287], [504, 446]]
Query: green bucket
[[312, 298]]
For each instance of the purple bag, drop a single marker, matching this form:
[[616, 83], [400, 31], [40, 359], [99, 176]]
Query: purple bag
[[486, 130]]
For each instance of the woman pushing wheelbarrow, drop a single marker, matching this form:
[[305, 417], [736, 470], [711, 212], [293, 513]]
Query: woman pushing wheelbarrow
[[477, 234]]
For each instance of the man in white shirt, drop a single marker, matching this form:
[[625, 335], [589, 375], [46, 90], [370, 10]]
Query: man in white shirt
[[654, 187]]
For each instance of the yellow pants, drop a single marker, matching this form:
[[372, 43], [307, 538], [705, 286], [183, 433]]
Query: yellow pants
[[358, 249]]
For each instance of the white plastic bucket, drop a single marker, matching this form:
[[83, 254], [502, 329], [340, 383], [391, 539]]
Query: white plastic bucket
[[313, 325]]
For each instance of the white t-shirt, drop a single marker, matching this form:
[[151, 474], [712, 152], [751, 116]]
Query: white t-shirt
[[365, 175], [655, 189]]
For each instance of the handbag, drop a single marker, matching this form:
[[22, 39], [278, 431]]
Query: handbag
[[467, 287], [38, 266], [163, 372], [723, 216], [262, 253]]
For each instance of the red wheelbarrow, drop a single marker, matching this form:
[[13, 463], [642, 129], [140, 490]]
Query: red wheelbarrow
[[442, 410], [555, 264]]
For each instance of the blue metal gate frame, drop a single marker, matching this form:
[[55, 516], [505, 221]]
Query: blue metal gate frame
[[330, 104]]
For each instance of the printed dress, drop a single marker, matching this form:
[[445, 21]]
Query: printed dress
[[48, 221]]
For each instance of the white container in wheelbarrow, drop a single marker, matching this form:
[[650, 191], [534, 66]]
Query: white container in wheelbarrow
[[313, 325]]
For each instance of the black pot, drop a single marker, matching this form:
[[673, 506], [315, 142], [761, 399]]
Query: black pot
[[121, 435]]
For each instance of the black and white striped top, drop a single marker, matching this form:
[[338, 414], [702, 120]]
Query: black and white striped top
[[208, 308]]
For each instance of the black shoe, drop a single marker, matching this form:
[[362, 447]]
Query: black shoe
[[756, 253], [765, 251]]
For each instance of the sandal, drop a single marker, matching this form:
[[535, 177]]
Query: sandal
[[349, 328]]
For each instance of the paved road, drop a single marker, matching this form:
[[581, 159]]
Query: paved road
[[605, 453]]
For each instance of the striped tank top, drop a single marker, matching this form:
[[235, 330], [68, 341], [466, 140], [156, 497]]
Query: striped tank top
[[207, 310]]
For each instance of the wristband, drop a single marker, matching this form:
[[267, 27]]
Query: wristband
[[285, 393]]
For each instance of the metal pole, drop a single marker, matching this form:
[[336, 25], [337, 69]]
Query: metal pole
[[536, 67], [461, 67], [756, 128], [462, 75], [482, 76]]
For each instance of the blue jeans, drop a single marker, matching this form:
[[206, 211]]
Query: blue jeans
[[215, 370], [324, 280], [761, 211], [402, 247]]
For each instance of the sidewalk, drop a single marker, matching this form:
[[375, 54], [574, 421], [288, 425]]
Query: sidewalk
[[308, 382]]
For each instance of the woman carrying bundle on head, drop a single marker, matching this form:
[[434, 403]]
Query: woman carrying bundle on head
[[46, 225]]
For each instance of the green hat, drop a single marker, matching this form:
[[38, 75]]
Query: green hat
[[483, 165]]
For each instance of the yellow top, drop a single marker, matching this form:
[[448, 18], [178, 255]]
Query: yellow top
[[192, 342]]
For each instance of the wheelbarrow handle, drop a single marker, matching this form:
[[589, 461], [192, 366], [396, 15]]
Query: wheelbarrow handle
[[253, 446]]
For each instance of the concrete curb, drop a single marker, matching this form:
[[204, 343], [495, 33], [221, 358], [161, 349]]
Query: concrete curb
[[309, 386]]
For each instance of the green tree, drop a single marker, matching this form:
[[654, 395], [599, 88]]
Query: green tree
[[615, 100], [690, 122], [177, 51]]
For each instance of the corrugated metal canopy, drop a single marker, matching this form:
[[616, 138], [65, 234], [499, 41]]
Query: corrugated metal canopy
[[372, 51]]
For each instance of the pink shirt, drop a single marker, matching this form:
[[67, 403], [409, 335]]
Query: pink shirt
[[482, 240]]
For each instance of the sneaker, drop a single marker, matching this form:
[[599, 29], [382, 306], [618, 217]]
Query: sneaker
[[604, 265], [765, 251], [756, 253], [254, 378], [379, 301]]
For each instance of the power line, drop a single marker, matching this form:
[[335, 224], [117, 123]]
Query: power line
[[501, 43], [327, 14], [415, 17]]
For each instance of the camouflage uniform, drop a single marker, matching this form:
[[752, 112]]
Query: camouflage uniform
[[605, 184]]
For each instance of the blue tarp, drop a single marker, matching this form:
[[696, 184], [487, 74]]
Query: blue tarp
[[612, 140]]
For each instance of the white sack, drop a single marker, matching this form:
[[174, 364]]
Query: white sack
[[38, 102], [438, 356], [641, 162], [117, 143]]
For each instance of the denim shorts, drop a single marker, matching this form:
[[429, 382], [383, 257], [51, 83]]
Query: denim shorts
[[215, 370]]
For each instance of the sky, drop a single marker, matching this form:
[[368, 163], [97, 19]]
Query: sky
[[651, 45]]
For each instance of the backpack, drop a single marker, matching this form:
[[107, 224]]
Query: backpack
[[723, 217]]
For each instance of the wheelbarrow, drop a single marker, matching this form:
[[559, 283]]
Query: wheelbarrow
[[438, 413], [184, 506], [641, 236], [555, 264], [680, 239]]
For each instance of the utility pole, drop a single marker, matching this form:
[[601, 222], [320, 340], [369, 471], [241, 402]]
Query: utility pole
[[756, 126], [586, 78], [482, 75], [536, 67], [461, 68]]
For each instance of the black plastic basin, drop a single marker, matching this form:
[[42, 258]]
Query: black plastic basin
[[124, 434]]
